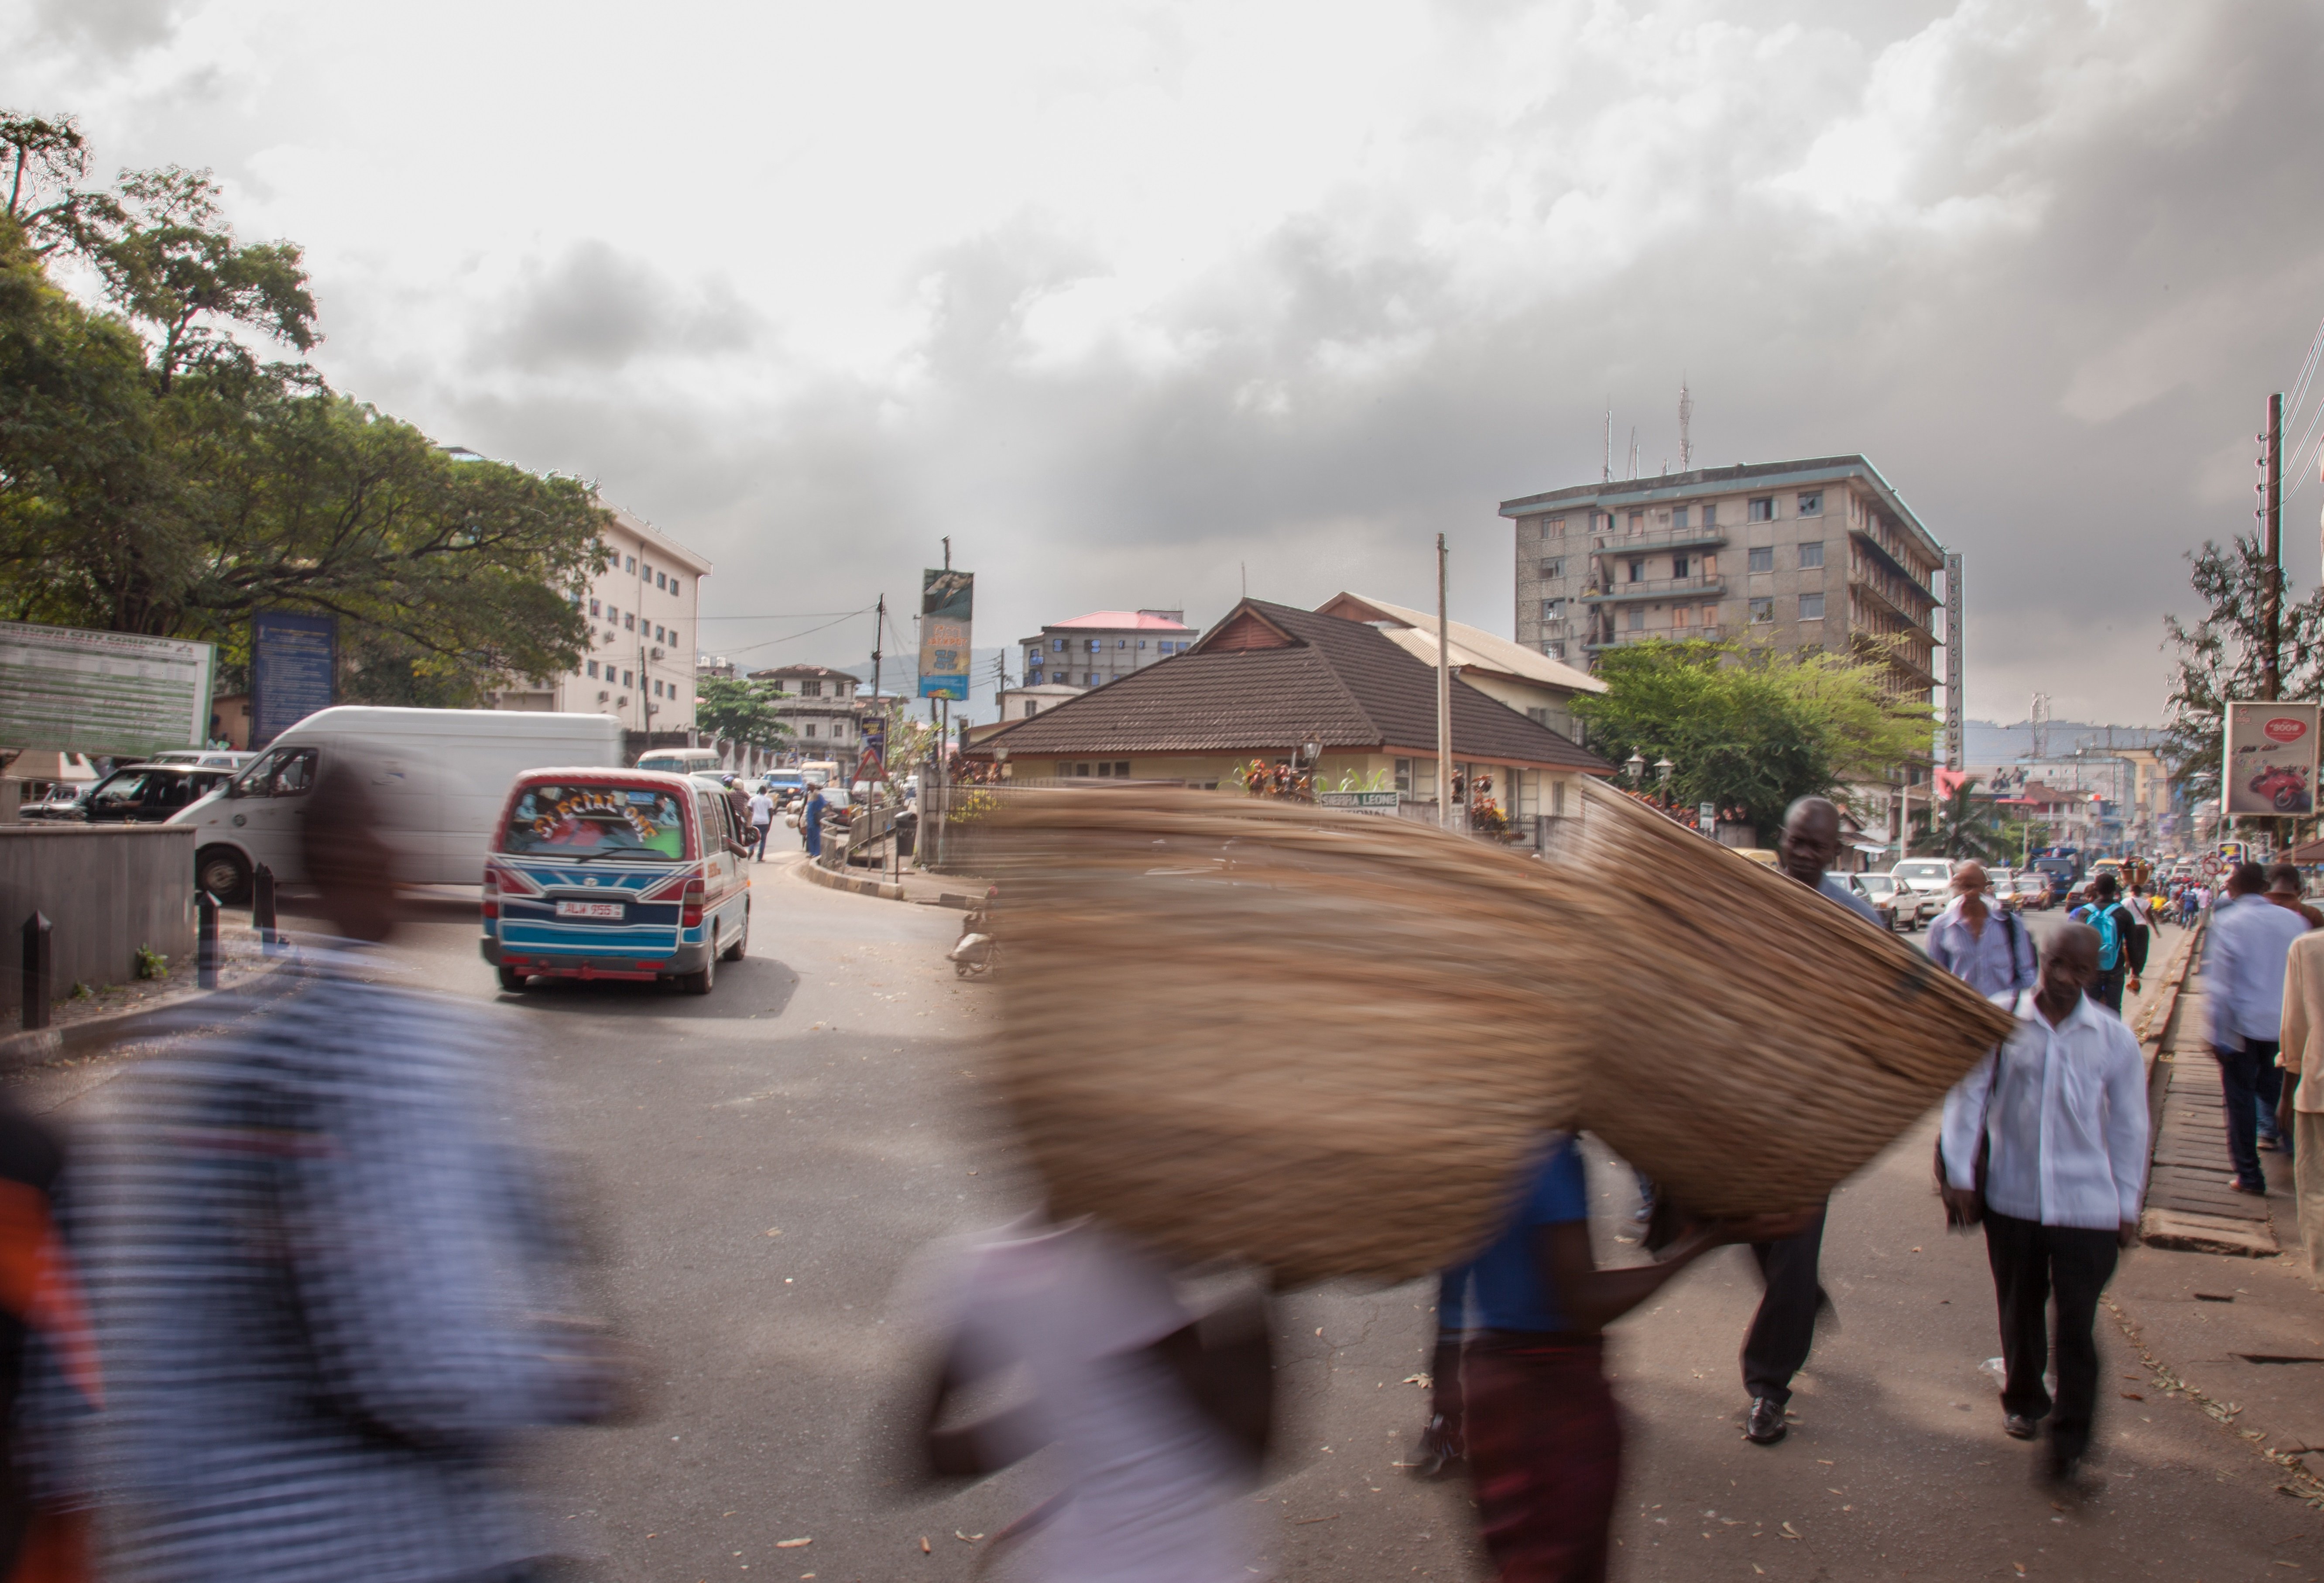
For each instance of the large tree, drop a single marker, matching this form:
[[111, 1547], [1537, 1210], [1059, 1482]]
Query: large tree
[[157, 476], [1749, 728], [2223, 656], [731, 709]]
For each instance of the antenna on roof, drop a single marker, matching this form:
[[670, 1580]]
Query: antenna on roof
[[1244, 566], [1685, 426], [1610, 439], [1634, 450]]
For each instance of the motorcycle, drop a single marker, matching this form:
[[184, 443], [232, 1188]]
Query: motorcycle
[[977, 951]]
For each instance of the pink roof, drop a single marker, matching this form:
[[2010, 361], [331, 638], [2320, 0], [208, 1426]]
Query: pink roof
[[1125, 620]]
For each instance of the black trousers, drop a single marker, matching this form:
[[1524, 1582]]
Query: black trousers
[[2031, 1264], [2246, 1077], [1782, 1331], [2108, 990]]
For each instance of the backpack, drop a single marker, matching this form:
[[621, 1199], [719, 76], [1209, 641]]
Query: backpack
[[2104, 919]]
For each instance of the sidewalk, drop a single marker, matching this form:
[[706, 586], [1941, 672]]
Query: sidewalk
[[929, 890]]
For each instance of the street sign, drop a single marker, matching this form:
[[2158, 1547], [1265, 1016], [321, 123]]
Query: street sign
[[2271, 759], [293, 661], [1706, 816], [947, 600], [1362, 802], [872, 764], [102, 692]]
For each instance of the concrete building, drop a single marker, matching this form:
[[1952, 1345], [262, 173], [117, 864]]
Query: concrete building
[[1529, 681], [1090, 651], [820, 709], [1815, 554], [1023, 703], [642, 612]]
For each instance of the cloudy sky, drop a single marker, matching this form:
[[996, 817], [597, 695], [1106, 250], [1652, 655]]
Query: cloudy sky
[[1133, 301]]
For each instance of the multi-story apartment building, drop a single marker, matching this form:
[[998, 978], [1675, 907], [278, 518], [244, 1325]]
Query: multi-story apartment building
[[642, 610], [1090, 651], [1817, 554], [819, 706]]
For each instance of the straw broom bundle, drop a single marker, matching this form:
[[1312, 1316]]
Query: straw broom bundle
[[1327, 1042]]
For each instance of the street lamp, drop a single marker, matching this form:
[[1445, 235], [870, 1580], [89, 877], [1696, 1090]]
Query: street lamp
[[1663, 768], [1636, 766], [1001, 757]]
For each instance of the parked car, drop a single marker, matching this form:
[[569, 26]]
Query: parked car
[[2031, 890], [615, 874], [148, 794], [206, 758], [62, 802], [1882, 891], [1931, 879]]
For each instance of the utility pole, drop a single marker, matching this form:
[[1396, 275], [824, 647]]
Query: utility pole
[[1956, 666], [1445, 810], [2270, 604], [878, 630]]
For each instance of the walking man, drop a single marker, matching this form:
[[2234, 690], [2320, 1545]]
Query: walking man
[[2061, 1112], [811, 822], [762, 818], [2243, 984], [1991, 953], [2122, 939], [2299, 1108], [1784, 1329]]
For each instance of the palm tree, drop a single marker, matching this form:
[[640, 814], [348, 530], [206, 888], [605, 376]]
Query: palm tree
[[1963, 826]]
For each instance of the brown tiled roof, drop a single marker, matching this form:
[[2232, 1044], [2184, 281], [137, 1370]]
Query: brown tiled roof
[[1341, 680]]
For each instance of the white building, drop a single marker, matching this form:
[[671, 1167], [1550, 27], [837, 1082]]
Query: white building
[[643, 612], [819, 706]]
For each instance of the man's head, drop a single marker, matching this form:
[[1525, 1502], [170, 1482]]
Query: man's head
[[2247, 879], [2069, 965], [1968, 878], [1811, 839], [2104, 886], [2283, 880]]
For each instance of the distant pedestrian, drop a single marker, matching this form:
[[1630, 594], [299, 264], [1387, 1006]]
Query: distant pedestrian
[[2122, 939], [762, 819], [2300, 1105], [2045, 1140], [1783, 1330], [811, 822], [2191, 904], [1986, 948], [2243, 985]]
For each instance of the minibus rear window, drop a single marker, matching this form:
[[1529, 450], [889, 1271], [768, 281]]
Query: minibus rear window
[[587, 820]]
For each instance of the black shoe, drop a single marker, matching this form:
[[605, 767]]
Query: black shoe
[[1438, 1456], [1766, 1425], [2018, 1427]]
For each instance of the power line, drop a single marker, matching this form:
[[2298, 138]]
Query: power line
[[808, 632]]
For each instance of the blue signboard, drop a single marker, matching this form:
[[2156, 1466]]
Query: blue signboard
[[292, 661]]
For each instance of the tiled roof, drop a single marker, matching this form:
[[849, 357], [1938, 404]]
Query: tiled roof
[[1341, 680], [1482, 648], [806, 671], [1123, 621]]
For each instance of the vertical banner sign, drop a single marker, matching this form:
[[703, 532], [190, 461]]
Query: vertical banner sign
[[945, 601], [293, 658], [872, 764], [2271, 759], [102, 692]]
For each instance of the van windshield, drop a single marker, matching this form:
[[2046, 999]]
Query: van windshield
[[589, 821]]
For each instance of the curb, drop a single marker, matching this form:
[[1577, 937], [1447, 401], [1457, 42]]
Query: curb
[[817, 873], [40, 1047]]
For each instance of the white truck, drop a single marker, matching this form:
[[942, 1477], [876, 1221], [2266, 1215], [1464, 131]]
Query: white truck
[[438, 779]]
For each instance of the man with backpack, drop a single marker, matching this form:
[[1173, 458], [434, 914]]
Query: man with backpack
[[1986, 948], [2122, 940]]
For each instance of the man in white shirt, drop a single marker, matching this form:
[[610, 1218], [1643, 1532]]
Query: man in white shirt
[[762, 817], [2060, 1111], [1988, 950], [2243, 986]]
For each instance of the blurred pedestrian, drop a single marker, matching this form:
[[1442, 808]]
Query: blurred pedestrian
[[2244, 988], [811, 822], [1543, 1431], [1160, 1419], [325, 1280], [1783, 1330], [2045, 1141], [1442, 1451], [1988, 949], [2122, 939], [2299, 1104], [2287, 888], [762, 819], [49, 1382]]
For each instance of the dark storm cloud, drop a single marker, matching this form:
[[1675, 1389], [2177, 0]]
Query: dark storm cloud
[[2051, 320], [595, 310]]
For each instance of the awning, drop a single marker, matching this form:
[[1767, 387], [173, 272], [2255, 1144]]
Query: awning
[[1871, 851]]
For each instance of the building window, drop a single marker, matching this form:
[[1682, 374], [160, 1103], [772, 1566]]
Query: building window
[[1089, 679], [1762, 610], [633, 565], [1762, 510], [611, 613], [1811, 556], [661, 580], [1812, 504], [1555, 525], [1678, 566], [1403, 768], [593, 670], [1552, 568], [1637, 522], [1557, 800], [628, 680], [1763, 558], [1554, 649], [593, 608], [1711, 514], [1811, 606], [1638, 572], [660, 635], [630, 621], [1637, 618], [1032, 708], [1682, 614], [1678, 516], [810, 728], [810, 689], [1552, 609], [1057, 646], [1123, 643], [1141, 644]]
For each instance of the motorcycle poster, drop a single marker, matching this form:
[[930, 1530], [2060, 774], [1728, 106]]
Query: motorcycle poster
[[2271, 759]]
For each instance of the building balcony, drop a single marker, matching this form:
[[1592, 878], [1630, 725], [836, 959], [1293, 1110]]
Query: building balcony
[[1614, 543], [1879, 552], [1662, 588], [1879, 597], [1674, 634]]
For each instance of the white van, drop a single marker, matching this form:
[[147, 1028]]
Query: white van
[[438, 776], [819, 772], [682, 761]]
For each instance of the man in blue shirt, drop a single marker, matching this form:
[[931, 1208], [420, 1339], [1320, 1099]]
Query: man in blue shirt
[[811, 822], [2243, 985], [1544, 1438]]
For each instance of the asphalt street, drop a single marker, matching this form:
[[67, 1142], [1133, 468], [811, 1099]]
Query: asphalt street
[[763, 1166]]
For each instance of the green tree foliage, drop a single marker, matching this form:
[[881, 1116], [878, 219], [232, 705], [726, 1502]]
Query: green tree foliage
[[157, 477], [740, 711], [2221, 657], [1750, 728]]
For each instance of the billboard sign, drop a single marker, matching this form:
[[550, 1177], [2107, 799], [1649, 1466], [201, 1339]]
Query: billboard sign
[[947, 601], [2271, 759], [872, 763], [102, 692], [292, 662]]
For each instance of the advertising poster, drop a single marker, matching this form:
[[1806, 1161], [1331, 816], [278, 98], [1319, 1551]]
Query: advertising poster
[[872, 763], [293, 661], [2271, 759], [946, 599], [102, 692]]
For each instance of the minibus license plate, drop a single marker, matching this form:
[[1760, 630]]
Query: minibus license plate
[[611, 910]]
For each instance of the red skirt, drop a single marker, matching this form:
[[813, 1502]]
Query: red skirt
[[1545, 1454]]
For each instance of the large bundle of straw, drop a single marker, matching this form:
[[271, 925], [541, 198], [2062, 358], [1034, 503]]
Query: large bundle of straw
[[1325, 1041]]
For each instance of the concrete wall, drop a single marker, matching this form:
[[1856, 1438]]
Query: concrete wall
[[107, 889]]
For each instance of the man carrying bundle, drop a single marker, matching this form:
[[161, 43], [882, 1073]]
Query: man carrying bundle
[[2059, 1115], [1784, 1330]]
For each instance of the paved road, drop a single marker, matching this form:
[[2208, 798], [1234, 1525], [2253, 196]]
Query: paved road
[[765, 1163]]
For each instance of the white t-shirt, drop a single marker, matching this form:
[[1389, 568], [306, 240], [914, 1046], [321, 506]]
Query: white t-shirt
[[1077, 1309], [763, 809]]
